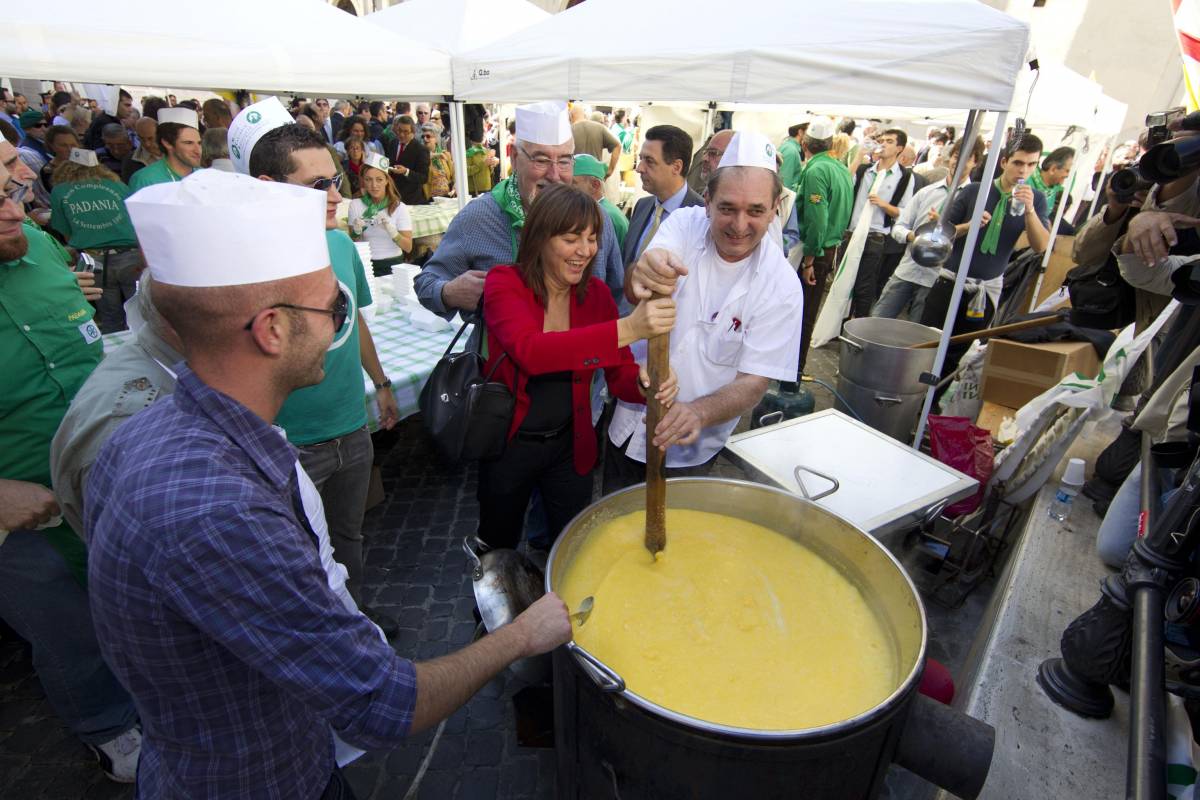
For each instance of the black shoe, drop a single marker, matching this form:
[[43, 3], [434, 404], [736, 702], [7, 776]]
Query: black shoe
[[387, 624]]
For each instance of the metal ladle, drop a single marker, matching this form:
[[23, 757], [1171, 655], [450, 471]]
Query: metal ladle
[[933, 240]]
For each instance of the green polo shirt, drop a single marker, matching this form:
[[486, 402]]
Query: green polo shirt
[[48, 346], [91, 214], [158, 172], [793, 163], [824, 200], [619, 220], [337, 405]]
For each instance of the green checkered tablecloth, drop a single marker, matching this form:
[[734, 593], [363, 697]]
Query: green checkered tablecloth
[[408, 355], [433, 219]]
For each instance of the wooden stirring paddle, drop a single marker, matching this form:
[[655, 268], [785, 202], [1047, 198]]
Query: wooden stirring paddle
[[658, 364]]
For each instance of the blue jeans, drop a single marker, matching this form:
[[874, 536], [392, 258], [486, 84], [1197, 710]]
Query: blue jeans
[[1119, 529], [42, 601], [898, 295]]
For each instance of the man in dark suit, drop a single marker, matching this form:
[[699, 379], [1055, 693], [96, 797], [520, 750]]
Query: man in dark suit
[[341, 110], [663, 166], [410, 162]]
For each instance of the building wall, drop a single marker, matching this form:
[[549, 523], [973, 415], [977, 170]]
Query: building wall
[[1127, 46]]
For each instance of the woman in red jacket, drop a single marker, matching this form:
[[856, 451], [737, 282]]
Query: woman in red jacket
[[557, 325]]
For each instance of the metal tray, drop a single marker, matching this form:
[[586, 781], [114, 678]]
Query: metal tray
[[869, 478]]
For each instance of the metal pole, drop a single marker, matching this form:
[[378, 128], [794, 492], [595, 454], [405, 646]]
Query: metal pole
[[502, 143], [458, 152], [1146, 767], [964, 265], [1112, 145], [1058, 215]]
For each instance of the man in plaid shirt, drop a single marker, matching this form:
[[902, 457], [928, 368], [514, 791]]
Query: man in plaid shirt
[[209, 598]]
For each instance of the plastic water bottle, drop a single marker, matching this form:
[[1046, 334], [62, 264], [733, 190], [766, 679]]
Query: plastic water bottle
[[1064, 498], [1016, 208]]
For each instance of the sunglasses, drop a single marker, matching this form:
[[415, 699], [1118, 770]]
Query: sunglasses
[[339, 312], [42, 124], [320, 184], [17, 192]]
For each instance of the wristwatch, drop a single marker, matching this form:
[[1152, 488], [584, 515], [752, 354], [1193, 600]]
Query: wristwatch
[[387, 384]]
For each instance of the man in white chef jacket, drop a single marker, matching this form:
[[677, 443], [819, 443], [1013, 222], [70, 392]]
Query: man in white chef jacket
[[739, 306]]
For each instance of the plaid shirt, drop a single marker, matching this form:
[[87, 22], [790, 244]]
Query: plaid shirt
[[211, 606]]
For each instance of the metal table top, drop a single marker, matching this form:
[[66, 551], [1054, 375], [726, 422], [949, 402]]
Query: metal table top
[[882, 485]]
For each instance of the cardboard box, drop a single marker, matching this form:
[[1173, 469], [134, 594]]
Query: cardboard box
[[1056, 270], [1015, 373], [992, 416]]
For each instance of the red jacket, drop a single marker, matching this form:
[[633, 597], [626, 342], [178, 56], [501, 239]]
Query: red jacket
[[514, 326]]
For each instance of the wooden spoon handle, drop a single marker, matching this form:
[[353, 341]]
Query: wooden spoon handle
[[658, 364]]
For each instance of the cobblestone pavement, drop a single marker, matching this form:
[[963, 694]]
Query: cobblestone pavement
[[416, 571]]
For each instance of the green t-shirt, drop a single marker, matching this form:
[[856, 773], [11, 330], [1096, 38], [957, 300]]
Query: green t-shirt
[[337, 405], [158, 172], [91, 214], [619, 220], [48, 346]]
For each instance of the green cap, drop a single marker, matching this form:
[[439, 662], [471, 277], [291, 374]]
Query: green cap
[[588, 165], [31, 116]]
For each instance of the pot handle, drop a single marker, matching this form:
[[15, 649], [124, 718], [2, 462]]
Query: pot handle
[[469, 545], [608, 681], [851, 342], [804, 489], [888, 398], [774, 416]]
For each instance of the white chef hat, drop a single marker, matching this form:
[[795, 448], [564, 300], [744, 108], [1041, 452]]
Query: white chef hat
[[107, 96], [821, 128], [86, 158], [748, 149], [180, 116], [217, 228], [249, 126], [376, 160], [544, 123]]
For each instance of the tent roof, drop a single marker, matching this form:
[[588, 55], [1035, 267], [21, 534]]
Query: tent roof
[[260, 45], [459, 25], [925, 53]]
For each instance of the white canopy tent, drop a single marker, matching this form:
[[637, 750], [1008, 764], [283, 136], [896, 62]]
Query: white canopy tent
[[945, 54], [270, 46], [457, 26]]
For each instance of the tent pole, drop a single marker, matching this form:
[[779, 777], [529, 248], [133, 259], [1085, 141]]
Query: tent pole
[[964, 266], [458, 151], [1058, 215], [502, 142]]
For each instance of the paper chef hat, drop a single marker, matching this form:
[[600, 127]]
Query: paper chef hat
[[821, 128], [544, 123], [748, 149], [217, 228], [86, 158], [373, 159], [180, 116], [249, 126]]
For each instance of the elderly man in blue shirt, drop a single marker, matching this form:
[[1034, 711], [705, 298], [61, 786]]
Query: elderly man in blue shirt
[[209, 597]]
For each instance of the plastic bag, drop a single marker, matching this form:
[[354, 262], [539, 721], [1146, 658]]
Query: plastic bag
[[962, 398], [957, 443]]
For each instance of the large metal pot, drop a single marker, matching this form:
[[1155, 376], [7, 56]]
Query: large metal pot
[[612, 742], [879, 372]]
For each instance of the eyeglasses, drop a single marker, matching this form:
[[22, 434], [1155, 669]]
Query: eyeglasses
[[712, 152], [339, 312], [564, 164], [17, 192]]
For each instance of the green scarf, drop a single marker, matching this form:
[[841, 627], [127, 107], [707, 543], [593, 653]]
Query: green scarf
[[991, 237], [475, 150], [371, 208], [509, 199]]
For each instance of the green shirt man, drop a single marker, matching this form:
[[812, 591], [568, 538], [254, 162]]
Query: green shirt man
[[793, 163], [91, 214], [48, 346], [619, 220], [589, 175], [824, 200], [1052, 193], [158, 172]]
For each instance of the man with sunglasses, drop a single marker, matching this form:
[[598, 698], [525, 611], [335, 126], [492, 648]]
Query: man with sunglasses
[[328, 421], [48, 346], [488, 230]]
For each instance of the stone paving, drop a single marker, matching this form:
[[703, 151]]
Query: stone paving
[[416, 571]]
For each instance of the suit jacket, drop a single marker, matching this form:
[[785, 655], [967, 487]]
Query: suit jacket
[[642, 213], [515, 318], [335, 121], [416, 158]]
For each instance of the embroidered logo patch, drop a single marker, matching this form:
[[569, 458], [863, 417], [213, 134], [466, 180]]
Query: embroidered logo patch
[[89, 332]]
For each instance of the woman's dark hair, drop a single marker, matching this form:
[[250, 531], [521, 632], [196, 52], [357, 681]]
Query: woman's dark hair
[[348, 125], [55, 131], [559, 208]]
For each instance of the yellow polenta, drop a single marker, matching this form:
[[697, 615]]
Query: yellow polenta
[[733, 623]]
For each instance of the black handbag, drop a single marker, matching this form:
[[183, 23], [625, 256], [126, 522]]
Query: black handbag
[[467, 413], [1100, 297]]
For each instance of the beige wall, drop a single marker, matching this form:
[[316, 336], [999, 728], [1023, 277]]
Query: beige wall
[[1127, 46]]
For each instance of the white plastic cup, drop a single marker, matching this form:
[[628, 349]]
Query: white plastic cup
[[1074, 476]]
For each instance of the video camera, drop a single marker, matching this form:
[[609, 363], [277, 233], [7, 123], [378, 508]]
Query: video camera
[[1162, 161]]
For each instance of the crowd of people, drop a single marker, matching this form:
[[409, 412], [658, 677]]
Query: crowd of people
[[184, 515]]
